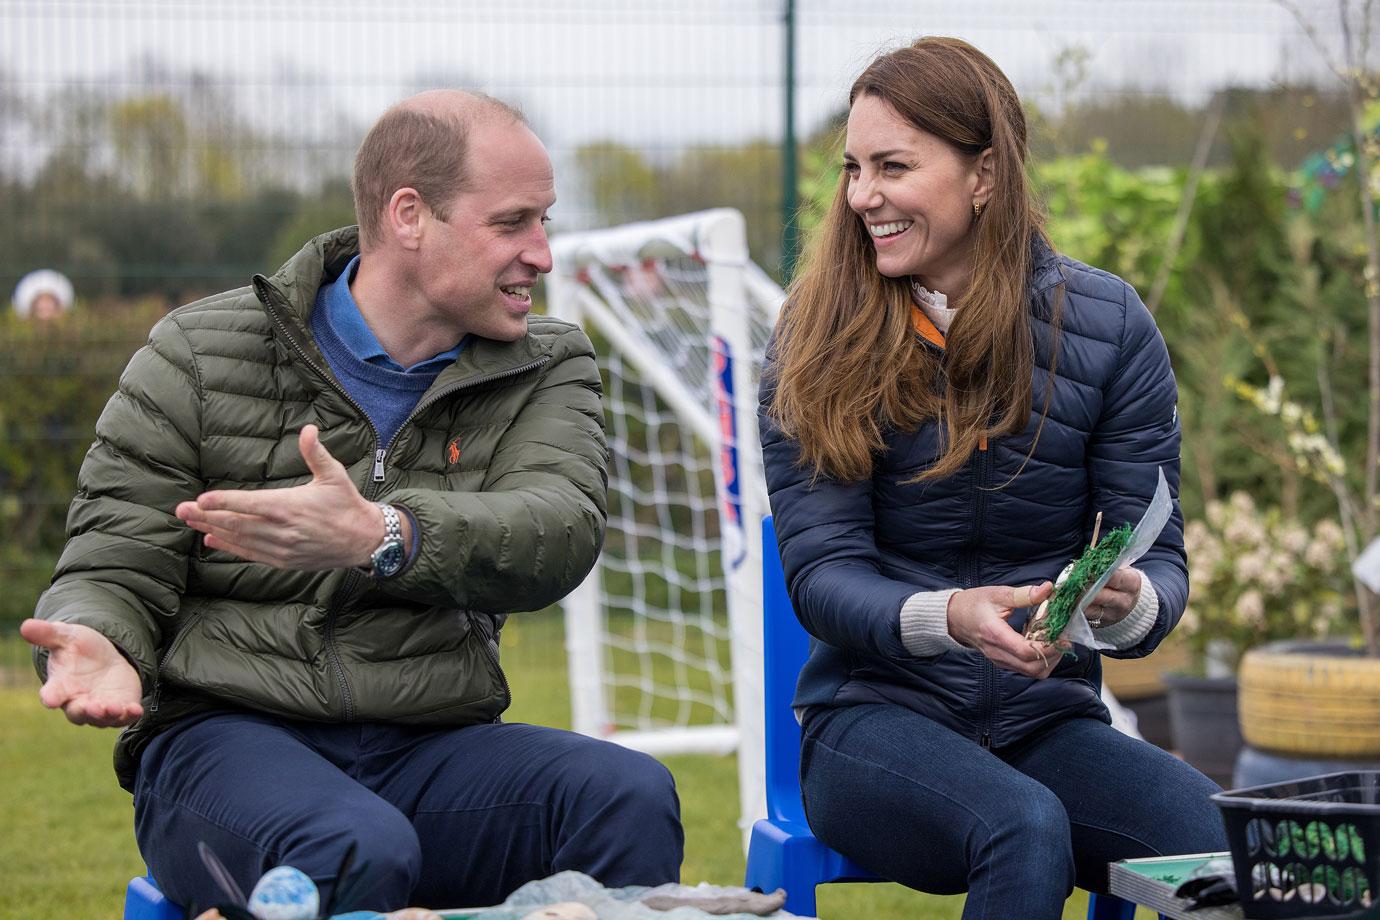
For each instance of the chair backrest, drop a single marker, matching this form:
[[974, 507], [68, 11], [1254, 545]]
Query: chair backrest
[[785, 647]]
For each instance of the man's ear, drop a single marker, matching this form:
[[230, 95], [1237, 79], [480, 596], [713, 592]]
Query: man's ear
[[404, 217], [986, 175]]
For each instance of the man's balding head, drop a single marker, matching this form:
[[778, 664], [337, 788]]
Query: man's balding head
[[420, 143]]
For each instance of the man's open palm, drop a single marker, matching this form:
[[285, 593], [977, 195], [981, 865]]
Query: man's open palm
[[88, 678]]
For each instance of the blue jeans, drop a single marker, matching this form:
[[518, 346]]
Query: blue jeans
[[1016, 829], [444, 818]]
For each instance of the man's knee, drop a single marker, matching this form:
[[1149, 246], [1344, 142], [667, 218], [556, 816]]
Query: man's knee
[[623, 825], [637, 783], [384, 867]]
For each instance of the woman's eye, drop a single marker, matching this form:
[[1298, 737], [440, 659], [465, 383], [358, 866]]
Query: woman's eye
[[850, 168], [893, 167]]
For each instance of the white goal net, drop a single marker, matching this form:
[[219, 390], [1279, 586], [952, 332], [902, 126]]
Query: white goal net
[[665, 636]]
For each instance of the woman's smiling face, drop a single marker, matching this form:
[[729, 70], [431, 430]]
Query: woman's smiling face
[[915, 194]]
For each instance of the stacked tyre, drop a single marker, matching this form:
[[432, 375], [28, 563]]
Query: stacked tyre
[[1307, 708]]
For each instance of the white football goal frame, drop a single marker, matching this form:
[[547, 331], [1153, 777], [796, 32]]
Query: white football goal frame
[[690, 353]]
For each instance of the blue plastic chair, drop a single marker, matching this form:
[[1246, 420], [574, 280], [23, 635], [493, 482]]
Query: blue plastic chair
[[783, 852], [143, 901]]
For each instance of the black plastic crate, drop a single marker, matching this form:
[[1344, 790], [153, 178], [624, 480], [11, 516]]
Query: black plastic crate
[[1307, 848]]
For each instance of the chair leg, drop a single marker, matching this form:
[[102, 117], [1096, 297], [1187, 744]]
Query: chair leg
[[1109, 907]]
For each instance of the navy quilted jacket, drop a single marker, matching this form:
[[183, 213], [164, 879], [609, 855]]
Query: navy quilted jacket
[[854, 552]]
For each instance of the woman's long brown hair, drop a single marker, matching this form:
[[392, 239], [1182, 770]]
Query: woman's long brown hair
[[848, 362]]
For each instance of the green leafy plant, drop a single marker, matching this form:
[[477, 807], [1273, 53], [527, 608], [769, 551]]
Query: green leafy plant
[[1358, 500]]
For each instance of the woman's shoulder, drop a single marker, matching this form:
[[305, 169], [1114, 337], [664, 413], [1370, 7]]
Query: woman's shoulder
[[1089, 282], [1096, 303]]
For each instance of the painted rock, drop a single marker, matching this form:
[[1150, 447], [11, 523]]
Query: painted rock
[[285, 893]]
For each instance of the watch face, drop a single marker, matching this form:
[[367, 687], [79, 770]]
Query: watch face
[[389, 559]]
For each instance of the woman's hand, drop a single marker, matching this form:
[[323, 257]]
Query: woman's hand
[[1114, 602], [977, 619]]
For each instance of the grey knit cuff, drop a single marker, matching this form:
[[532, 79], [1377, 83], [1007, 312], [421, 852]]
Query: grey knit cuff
[[1136, 625], [925, 623]]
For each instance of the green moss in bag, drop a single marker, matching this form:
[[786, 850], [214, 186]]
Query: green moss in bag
[[1089, 567]]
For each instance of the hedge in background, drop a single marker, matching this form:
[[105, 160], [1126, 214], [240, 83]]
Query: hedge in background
[[54, 380]]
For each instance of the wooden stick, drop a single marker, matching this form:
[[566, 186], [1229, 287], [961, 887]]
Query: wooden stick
[[1097, 526]]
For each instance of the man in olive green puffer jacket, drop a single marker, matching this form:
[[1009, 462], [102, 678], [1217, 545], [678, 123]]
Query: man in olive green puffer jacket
[[308, 510]]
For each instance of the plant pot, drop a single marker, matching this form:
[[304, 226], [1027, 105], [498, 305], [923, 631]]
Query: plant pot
[[1202, 721], [1311, 699]]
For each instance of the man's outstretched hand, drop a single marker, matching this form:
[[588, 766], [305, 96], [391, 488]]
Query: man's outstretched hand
[[319, 525], [88, 678]]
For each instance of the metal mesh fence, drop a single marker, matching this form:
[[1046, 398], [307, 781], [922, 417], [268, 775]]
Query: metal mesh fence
[[170, 146], [155, 150]]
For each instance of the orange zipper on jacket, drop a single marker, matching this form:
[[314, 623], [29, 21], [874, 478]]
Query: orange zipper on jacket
[[927, 330]]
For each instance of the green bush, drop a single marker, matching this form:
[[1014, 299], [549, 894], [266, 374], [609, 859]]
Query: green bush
[[54, 380]]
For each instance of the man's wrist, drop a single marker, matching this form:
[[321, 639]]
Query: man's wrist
[[407, 521], [390, 553], [412, 536], [374, 534]]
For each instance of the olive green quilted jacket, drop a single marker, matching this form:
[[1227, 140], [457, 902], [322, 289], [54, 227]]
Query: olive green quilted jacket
[[502, 463]]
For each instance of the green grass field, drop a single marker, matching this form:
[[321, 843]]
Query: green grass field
[[68, 846]]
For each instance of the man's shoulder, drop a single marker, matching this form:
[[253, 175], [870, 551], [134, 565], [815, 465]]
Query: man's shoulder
[[562, 337], [237, 300], [228, 312]]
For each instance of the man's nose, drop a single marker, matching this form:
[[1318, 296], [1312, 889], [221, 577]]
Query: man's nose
[[537, 253]]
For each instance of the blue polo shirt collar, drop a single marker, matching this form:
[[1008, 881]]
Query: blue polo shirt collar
[[342, 312]]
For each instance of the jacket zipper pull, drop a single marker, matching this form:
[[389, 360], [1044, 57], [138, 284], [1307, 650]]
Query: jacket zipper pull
[[157, 693], [986, 741], [378, 463]]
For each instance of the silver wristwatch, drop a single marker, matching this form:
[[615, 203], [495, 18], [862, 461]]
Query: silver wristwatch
[[388, 559]]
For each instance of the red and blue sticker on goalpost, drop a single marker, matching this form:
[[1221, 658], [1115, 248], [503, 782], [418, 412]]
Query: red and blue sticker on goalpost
[[730, 493]]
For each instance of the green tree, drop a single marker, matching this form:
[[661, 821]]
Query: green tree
[[331, 207], [149, 135], [624, 185], [620, 182]]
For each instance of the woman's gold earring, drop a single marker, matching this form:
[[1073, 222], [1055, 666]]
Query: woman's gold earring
[[977, 208]]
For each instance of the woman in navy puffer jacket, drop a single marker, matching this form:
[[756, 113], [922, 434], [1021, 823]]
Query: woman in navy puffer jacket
[[947, 405]]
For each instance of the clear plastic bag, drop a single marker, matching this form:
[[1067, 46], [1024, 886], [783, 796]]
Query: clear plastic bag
[[612, 903]]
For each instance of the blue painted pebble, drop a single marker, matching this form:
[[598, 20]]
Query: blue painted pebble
[[285, 893]]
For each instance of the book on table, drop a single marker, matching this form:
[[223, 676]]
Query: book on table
[[1151, 882]]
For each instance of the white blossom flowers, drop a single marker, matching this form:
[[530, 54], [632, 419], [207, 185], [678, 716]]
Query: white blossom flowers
[[1255, 576]]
